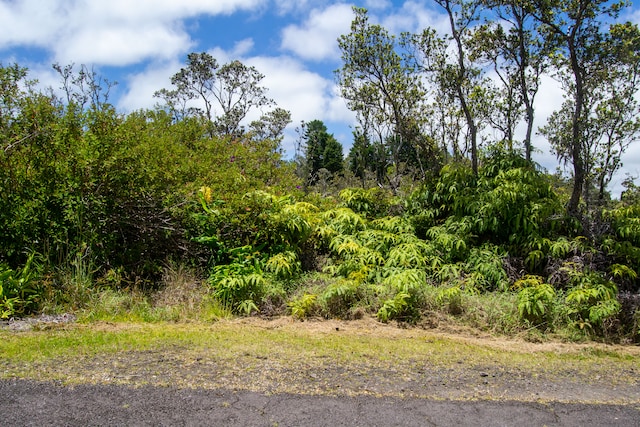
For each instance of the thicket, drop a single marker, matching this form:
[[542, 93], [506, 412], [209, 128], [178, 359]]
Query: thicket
[[91, 197], [446, 248], [94, 201]]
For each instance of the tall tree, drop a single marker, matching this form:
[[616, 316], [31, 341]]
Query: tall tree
[[618, 112], [13, 78], [582, 57], [461, 75], [87, 86], [195, 81], [518, 56], [271, 125], [610, 111], [233, 88], [238, 92], [381, 85], [360, 158], [321, 151], [433, 120]]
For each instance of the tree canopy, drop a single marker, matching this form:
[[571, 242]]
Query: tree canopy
[[451, 95]]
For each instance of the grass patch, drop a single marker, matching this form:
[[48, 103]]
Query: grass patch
[[68, 353]]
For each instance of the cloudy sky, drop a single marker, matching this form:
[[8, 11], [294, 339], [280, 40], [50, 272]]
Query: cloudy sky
[[142, 43]]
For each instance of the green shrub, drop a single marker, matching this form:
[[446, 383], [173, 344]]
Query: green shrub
[[449, 273], [412, 254], [303, 306], [625, 221], [450, 240], [407, 286], [592, 300], [340, 297], [393, 225], [371, 203], [19, 292], [241, 283], [83, 175], [284, 265], [536, 300], [486, 263], [396, 308], [344, 221], [451, 299]]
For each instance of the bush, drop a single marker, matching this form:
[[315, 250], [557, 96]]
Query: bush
[[19, 292], [536, 301], [591, 301], [303, 306], [451, 299], [240, 284], [371, 203]]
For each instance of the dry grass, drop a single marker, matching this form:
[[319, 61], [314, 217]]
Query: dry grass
[[180, 287]]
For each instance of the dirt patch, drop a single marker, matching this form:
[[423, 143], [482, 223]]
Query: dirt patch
[[368, 326], [42, 321]]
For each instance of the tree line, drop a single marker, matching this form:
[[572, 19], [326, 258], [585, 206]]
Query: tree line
[[424, 99]]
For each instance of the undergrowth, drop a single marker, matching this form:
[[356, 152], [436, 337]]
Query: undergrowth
[[492, 252]]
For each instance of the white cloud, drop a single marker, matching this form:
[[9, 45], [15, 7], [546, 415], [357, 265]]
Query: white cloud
[[338, 110], [29, 22], [316, 39], [306, 94], [116, 32], [242, 48], [47, 78], [144, 10], [294, 6], [414, 17], [377, 4], [632, 15], [142, 85], [122, 46]]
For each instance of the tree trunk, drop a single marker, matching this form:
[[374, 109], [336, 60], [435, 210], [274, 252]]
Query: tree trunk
[[528, 103], [576, 134], [462, 74]]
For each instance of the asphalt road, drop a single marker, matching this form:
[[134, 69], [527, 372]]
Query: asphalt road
[[30, 403]]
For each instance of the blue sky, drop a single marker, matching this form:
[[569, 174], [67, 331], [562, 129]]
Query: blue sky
[[142, 43]]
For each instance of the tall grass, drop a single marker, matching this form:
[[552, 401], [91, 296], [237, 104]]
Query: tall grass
[[181, 295]]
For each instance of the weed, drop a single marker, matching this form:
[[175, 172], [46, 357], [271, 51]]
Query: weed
[[451, 299], [304, 306], [395, 308], [591, 301], [18, 289], [536, 300]]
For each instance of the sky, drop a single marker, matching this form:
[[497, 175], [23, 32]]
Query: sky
[[140, 44]]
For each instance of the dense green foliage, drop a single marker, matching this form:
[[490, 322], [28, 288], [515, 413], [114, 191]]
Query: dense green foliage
[[116, 194], [443, 92], [459, 237], [96, 202], [322, 153], [18, 289]]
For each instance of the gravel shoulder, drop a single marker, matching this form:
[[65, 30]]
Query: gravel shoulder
[[272, 390]]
